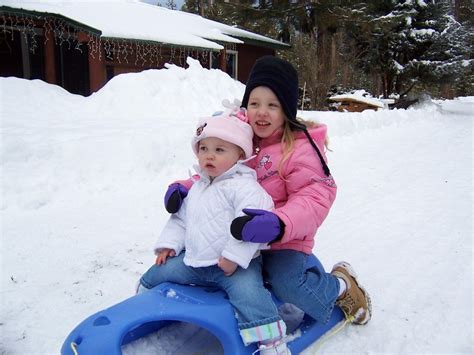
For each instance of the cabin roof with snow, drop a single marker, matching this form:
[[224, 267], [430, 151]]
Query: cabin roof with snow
[[130, 19]]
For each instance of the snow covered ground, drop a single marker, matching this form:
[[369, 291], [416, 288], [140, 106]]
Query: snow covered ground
[[82, 187]]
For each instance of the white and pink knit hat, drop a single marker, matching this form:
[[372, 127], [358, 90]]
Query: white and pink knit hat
[[231, 126]]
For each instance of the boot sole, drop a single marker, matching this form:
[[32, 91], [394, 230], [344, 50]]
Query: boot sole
[[345, 265]]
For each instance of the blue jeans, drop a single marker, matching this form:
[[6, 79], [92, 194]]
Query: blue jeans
[[251, 300], [311, 289]]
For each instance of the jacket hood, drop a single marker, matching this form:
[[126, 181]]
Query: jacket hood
[[318, 133]]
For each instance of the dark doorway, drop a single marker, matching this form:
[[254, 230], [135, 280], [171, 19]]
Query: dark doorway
[[72, 66]]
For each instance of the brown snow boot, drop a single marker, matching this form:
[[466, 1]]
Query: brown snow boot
[[355, 301]]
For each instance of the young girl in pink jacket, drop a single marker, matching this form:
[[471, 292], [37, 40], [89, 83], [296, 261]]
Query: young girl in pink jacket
[[291, 166]]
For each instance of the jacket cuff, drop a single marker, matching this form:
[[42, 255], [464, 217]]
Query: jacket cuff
[[286, 226], [242, 262], [160, 246]]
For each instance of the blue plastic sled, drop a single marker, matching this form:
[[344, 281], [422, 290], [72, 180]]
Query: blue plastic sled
[[107, 331]]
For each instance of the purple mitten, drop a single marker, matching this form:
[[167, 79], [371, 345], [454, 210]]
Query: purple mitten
[[174, 197], [258, 226]]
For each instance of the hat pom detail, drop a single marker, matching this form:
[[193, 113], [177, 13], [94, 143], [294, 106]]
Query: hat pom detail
[[242, 115], [234, 109]]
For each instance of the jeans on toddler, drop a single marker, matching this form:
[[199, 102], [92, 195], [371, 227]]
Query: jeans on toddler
[[309, 288], [257, 315]]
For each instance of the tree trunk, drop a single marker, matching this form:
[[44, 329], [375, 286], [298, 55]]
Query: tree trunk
[[334, 63]]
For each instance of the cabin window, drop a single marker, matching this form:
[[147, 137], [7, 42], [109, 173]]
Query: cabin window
[[231, 62], [21, 54]]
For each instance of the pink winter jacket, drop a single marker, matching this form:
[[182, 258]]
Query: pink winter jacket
[[302, 194]]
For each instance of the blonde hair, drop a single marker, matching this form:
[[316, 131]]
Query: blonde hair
[[288, 141]]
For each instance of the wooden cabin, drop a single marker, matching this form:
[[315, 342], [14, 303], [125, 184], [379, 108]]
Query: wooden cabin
[[82, 45]]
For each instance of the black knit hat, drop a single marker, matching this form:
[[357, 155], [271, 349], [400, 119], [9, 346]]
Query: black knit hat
[[281, 77]]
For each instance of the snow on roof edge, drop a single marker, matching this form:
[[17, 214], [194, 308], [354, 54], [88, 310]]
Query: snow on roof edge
[[23, 10], [203, 33]]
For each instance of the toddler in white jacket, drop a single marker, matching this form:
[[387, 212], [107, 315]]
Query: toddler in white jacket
[[196, 245]]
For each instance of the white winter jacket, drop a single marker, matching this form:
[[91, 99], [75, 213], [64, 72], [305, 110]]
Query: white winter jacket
[[202, 225]]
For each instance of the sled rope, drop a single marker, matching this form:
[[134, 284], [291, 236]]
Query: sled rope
[[74, 348], [333, 332]]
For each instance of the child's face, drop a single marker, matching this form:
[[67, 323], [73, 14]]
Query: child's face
[[265, 112], [216, 156]]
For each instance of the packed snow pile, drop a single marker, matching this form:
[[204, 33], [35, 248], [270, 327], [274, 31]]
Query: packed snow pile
[[83, 181]]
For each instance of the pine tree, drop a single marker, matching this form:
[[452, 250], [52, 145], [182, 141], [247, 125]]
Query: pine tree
[[200, 7], [171, 4], [412, 43], [322, 50], [464, 14], [384, 46]]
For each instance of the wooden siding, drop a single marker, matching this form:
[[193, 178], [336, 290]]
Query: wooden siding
[[248, 54], [355, 106]]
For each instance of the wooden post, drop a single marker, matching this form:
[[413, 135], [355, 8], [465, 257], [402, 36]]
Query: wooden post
[[97, 73], [223, 61], [49, 60], [97, 70], [304, 94]]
